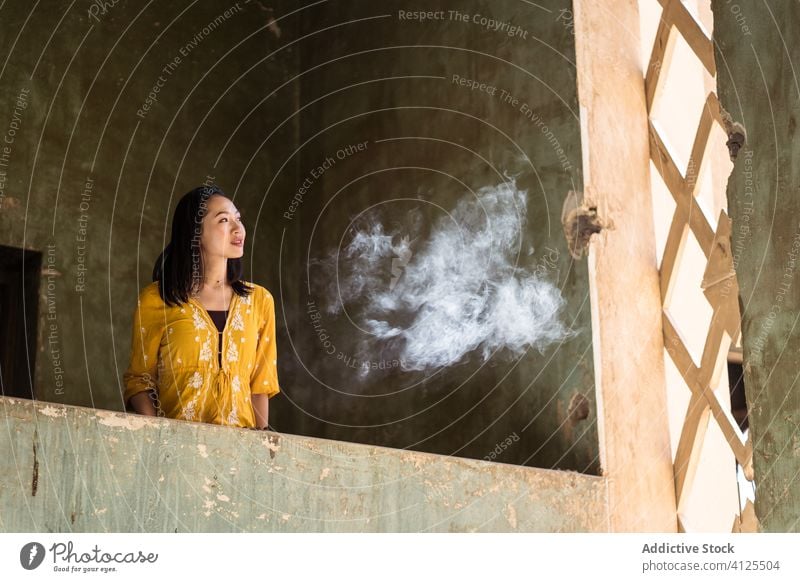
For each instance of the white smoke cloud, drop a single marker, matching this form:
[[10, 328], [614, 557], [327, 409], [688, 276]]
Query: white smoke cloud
[[457, 291]]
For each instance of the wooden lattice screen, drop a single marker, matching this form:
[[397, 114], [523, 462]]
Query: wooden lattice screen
[[719, 281]]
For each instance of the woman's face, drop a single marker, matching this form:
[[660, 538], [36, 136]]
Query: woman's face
[[223, 231]]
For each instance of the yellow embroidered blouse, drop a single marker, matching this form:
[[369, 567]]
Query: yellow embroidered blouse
[[174, 350]]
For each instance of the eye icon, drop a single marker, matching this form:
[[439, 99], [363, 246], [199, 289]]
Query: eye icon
[[31, 555]]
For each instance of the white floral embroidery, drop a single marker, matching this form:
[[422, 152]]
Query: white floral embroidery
[[233, 417], [236, 384], [245, 300], [196, 381], [205, 351], [199, 322], [237, 322], [188, 412], [233, 352]]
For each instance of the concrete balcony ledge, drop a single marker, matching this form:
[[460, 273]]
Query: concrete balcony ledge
[[73, 469]]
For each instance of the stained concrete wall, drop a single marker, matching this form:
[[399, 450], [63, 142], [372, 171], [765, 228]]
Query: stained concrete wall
[[758, 48], [96, 166], [375, 74], [71, 469]]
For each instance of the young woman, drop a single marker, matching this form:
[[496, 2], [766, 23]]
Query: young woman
[[203, 339]]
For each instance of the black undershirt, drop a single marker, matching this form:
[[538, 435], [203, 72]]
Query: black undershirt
[[219, 317]]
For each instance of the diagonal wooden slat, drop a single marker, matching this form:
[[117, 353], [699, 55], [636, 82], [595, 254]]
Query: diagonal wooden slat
[[719, 269], [747, 522], [666, 167], [700, 380], [700, 227], [714, 353], [697, 159], [677, 186], [676, 348], [687, 456], [660, 57], [673, 250], [742, 452], [714, 107], [702, 405], [719, 283], [692, 33], [709, 364]]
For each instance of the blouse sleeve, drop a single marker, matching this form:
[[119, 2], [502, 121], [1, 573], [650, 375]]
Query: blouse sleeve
[[148, 329], [264, 379]]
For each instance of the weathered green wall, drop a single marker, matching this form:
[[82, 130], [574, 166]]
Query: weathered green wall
[[260, 141], [80, 470], [371, 76], [758, 48], [86, 78]]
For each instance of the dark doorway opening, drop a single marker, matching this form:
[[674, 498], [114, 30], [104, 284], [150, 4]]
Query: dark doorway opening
[[736, 381], [20, 271]]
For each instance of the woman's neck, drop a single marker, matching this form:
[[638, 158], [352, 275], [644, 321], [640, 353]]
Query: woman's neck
[[216, 272]]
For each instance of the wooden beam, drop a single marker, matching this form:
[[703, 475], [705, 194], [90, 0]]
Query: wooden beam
[[626, 328]]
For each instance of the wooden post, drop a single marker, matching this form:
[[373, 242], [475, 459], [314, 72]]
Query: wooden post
[[624, 281]]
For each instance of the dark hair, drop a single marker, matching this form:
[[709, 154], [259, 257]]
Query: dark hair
[[179, 267]]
